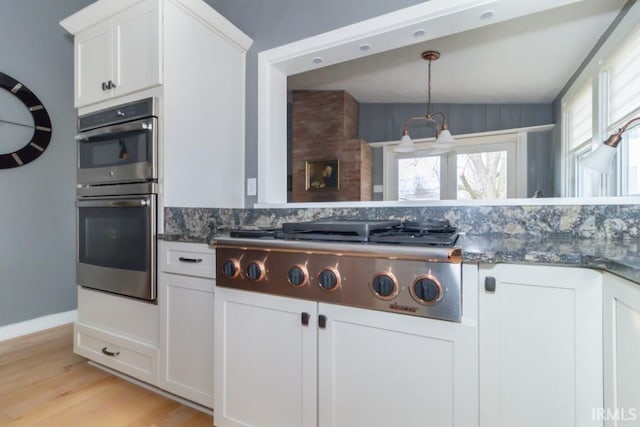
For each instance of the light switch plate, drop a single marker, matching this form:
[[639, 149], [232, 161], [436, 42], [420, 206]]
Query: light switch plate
[[252, 186]]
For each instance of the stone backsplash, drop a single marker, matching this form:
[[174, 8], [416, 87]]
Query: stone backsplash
[[598, 222]]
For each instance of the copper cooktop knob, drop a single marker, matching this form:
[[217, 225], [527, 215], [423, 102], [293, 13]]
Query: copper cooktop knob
[[329, 279], [426, 290], [384, 285], [255, 271], [298, 275], [231, 268]]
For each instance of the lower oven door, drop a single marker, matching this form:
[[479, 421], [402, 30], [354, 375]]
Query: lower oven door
[[116, 245]]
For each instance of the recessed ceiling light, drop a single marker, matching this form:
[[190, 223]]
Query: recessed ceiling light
[[419, 33], [486, 14], [365, 47], [318, 60]]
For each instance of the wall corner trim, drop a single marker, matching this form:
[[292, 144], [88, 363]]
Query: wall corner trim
[[38, 324]]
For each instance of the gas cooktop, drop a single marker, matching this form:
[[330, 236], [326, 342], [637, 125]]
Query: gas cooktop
[[424, 233], [400, 267]]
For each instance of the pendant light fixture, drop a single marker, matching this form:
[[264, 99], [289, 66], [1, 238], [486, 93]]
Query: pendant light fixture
[[444, 140]]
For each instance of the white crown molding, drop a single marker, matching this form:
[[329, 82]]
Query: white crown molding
[[200, 10]]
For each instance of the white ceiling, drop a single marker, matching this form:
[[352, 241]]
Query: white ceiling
[[527, 59]]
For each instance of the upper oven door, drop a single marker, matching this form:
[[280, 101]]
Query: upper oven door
[[119, 153], [116, 249]]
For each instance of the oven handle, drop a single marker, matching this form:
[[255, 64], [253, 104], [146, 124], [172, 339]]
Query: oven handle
[[145, 124], [136, 203]]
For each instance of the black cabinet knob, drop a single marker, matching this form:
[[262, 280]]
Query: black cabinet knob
[[490, 284]]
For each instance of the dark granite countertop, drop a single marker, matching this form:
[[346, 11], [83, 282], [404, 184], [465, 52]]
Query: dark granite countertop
[[620, 257], [190, 238]]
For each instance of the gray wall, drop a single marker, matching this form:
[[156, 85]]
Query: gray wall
[[384, 122], [37, 249], [273, 23]]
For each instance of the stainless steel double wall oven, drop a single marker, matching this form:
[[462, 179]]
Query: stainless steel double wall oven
[[116, 199]]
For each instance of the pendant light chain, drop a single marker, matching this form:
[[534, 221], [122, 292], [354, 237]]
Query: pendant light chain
[[429, 88], [444, 140]]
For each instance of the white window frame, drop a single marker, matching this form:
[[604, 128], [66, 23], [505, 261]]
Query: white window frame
[[597, 70], [514, 141], [573, 175]]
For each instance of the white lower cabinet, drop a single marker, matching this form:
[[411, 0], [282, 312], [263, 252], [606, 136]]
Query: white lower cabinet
[[116, 351], [386, 369], [265, 370], [118, 332], [186, 299], [540, 346], [621, 343], [361, 368]]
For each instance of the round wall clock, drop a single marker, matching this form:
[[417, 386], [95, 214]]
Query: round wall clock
[[32, 147]]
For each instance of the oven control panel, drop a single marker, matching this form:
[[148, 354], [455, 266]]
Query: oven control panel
[[408, 286]]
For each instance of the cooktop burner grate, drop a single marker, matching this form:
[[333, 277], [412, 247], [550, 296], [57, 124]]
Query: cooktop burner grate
[[428, 232]]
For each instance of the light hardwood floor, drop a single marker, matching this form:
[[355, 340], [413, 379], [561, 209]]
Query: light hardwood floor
[[42, 383]]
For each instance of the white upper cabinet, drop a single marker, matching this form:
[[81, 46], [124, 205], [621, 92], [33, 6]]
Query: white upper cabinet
[[119, 55], [93, 58], [192, 59]]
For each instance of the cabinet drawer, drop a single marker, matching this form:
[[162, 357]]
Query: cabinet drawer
[[120, 353], [193, 259]]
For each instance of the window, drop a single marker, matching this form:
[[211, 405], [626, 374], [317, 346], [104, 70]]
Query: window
[[419, 178], [482, 175], [623, 70], [481, 168], [622, 86], [617, 86], [630, 156], [578, 122]]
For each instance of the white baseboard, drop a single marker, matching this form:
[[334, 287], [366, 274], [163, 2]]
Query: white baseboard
[[38, 324], [152, 388]]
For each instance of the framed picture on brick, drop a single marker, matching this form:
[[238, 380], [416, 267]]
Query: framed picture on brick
[[323, 175]]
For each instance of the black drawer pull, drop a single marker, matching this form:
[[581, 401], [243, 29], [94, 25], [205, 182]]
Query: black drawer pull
[[304, 318], [110, 353], [322, 321], [191, 260], [490, 284]]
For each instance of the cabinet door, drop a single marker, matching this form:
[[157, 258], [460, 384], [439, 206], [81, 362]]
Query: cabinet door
[[265, 370], [93, 62], [621, 344], [540, 337], [381, 369], [137, 57], [187, 336]]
